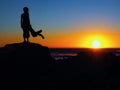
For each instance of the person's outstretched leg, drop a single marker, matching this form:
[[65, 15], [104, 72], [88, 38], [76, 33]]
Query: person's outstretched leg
[[32, 31], [41, 36]]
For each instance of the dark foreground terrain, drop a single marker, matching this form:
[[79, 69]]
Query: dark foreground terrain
[[24, 65], [95, 70], [29, 66]]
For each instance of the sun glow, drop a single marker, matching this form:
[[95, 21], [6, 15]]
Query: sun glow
[[98, 36], [96, 44], [95, 41]]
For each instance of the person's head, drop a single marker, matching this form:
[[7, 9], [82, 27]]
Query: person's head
[[25, 9]]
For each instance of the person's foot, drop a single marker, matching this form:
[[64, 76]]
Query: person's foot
[[24, 41], [39, 31], [43, 37], [27, 41]]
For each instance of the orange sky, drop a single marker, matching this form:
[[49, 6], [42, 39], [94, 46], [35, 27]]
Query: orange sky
[[78, 36], [82, 36]]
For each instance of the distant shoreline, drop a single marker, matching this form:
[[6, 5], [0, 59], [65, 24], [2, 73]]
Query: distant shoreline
[[64, 53]]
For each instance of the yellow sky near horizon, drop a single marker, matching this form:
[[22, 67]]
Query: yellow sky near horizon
[[69, 37]]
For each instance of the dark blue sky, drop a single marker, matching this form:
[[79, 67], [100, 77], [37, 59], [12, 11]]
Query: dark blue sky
[[58, 13]]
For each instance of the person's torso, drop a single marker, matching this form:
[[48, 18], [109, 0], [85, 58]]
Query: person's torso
[[25, 19]]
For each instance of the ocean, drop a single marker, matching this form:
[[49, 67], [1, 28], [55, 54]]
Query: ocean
[[65, 53]]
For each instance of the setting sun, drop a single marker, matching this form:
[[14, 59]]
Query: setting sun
[[94, 40], [96, 44]]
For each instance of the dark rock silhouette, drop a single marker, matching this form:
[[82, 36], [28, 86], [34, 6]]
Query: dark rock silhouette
[[26, 65], [25, 53]]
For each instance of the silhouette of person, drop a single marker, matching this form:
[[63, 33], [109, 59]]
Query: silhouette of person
[[26, 26]]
